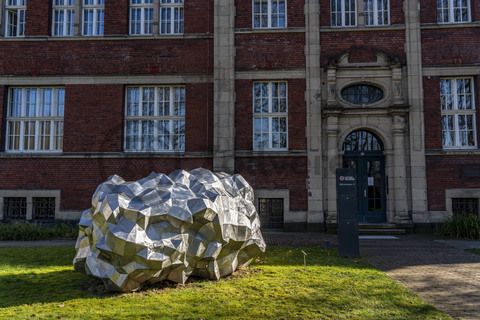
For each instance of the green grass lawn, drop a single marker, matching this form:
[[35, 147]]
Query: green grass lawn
[[41, 283]]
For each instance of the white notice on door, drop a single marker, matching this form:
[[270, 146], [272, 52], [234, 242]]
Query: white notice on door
[[371, 182]]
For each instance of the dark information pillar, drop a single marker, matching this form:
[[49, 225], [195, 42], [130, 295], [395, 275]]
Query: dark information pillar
[[348, 244]]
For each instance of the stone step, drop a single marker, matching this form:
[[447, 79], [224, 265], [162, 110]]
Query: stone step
[[385, 226], [382, 231]]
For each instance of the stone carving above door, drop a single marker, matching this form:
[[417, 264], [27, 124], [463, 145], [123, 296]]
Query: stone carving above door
[[385, 73]]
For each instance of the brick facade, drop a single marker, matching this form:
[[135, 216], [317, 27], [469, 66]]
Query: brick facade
[[112, 57], [95, 73]]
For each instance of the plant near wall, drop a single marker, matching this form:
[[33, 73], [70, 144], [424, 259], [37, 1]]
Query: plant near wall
[[462, 226], [32, 231]]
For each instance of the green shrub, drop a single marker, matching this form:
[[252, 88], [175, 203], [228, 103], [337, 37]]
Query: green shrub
[[464, 226], [33, 231]]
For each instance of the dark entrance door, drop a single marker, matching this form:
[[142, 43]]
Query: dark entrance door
[[363, 151]]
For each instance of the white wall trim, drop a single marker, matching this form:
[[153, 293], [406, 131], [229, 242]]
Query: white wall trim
[[30, 194], [276, 194]]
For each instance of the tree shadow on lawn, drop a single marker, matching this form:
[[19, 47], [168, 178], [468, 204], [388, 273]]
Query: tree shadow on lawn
[[55, 286]]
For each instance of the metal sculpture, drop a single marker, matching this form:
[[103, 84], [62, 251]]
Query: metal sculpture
[[196, 223]]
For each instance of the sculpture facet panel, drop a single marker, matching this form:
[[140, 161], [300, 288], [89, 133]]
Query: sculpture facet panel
[[196, 223]]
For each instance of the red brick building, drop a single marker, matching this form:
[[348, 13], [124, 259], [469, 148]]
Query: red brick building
[[280, 91]]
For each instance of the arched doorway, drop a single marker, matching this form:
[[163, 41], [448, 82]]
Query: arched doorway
[[363, 151]]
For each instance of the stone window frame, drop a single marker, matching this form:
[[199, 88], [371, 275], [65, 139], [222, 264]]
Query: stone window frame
[[269, 15], [56, 120], [172, 5], [459, 193], [30, 194], [451, 12], [270, 116], [370, 83], [3, 15], [96, 7], [456, 112], [274, 194], [156, 118]]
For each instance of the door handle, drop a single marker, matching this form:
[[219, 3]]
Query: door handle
[[365, 193]]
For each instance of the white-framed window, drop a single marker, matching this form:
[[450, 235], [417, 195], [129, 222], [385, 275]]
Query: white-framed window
[[63, 18], [270, 115], [93, 17], [269, 14], [458, 113], [155, 119], [453, 11], [377, 12], [171, 16], [35, 120], [141, 17], [344, 13], [15, 18]]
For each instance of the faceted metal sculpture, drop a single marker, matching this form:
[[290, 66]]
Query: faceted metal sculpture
[[196, 223]]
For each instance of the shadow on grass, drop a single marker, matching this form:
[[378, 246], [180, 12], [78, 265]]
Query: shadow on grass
[[55, 286]]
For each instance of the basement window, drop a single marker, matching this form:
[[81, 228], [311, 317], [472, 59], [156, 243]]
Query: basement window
[[462, 206], [43, 209], [271, 211], [15, 208]]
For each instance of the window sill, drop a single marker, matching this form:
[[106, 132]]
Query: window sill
[[472, 24], [474, 151], [270, 153], [106, 155], [33, 154], [268, 30], [109, 37], [362, 28]]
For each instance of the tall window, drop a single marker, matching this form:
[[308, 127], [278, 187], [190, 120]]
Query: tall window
[[269, 14], [458, 113], [141, 17], [377, 12], [15, 18], [453, 11], [93, 17], [270, 121], [63, 18], [35, 119], [344, 13], [171, 16], [155, 119]]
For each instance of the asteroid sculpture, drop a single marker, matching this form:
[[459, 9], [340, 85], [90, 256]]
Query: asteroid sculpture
[[196, 223]]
